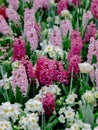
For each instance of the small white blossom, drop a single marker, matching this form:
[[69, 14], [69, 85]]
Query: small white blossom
[[62, 119]]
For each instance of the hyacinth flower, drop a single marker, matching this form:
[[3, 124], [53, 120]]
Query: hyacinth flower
[[94, 8], [18, 49], [12, 14], [19, 78], [4, 27], [14, 4], [55, 37], [3, 11], [30, 28]]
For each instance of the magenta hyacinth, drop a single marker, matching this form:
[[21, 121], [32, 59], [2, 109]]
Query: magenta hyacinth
[[19, 78], [55, 37], [29, 69], [73, 64], [94, 8], [48, 103], [18, 49], [49, 71], [90, 32], [76, 44], [62, 5]]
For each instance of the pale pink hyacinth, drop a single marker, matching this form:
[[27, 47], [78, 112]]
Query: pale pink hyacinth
[[55, 37], [86, 17], [92, 50], [29, 28], [14, 3], [96, 76], [12, 15], [66, 26], [40, 4], [19, 78], [4, 28]]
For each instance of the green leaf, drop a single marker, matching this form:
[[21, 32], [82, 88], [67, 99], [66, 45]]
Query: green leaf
[[87, 113], [94, 59], [19, 97], [11, 95], [28, 50]]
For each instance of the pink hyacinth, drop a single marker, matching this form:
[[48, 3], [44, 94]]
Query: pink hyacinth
[[91, 32], [40, 4], [76, 44], [30, 28], [96, 76], [18, 49], [76, 2], [62, 5], [66, 26], [19, 78], [73, 64], [14, 3], [48, 103], [86, 17], [12, 15], [94, 8], [4, 28], [55, 37], [91, 49]]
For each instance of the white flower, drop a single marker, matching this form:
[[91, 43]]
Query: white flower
[[33, 106], [15, 64], [8, 110], [75, 126], [69, 113], [86, 126], [89, 97], [85, 67], [49, 48], [71, 98], [96, 94], [57, 20], [56, 89], [59, 51], [65, 13], [52, 54], [43, 44], [96, 128], [62, 110], [43, 90], [52, 3], [62, 118], [5, 125], [29, 122]]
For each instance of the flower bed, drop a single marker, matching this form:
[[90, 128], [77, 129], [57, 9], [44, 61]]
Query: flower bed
[[49, 65]]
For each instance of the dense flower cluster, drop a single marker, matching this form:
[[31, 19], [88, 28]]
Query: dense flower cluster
[[3, 11], [20, 79], [18, 49], [48, 103], [94, 8]]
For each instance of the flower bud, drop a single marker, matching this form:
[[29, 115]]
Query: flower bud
[[89, 97], [85, 67]]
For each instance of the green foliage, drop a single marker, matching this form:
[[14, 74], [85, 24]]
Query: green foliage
[[87, 113], [19, 96]]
